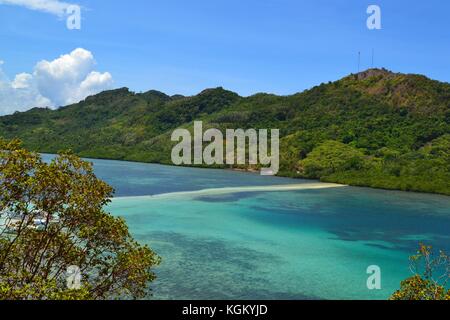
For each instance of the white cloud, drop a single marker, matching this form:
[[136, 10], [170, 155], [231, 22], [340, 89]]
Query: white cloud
[[22, 81], [65, 80], [12, 99], [55, 7], [69, 79], [94, 83]]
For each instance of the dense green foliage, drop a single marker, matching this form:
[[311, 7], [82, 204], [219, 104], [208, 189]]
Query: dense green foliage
[[52, 220], [377, 128]]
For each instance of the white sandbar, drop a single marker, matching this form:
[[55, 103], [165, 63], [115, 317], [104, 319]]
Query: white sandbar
[[231, 190]]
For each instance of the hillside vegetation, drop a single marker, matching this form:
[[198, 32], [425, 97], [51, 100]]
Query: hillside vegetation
[[376, 128]]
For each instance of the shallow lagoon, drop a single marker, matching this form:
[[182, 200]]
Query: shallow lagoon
[[302, 244]]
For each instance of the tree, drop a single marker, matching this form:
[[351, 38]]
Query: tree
[[331, 157], [52, 217], [431, 276]]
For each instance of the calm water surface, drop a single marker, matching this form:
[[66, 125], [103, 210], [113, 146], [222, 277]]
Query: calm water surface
[[306, 244]]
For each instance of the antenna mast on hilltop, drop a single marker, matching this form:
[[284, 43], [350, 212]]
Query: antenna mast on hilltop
[[359, 60], [373, 56]]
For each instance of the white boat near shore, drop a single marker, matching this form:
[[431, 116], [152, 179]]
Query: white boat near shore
[[11, 222]]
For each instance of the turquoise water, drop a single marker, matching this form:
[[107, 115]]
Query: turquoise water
[[304, 244]]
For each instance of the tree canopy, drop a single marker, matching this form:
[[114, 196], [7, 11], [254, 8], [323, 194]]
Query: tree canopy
[[431, 276], [52, 218]]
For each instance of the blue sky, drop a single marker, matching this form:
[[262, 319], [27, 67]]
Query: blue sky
[[247, 46]]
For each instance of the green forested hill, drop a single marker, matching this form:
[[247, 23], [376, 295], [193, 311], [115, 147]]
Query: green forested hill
[[376, 128]]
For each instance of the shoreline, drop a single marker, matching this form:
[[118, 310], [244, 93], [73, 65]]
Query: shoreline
[[255, 172]]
